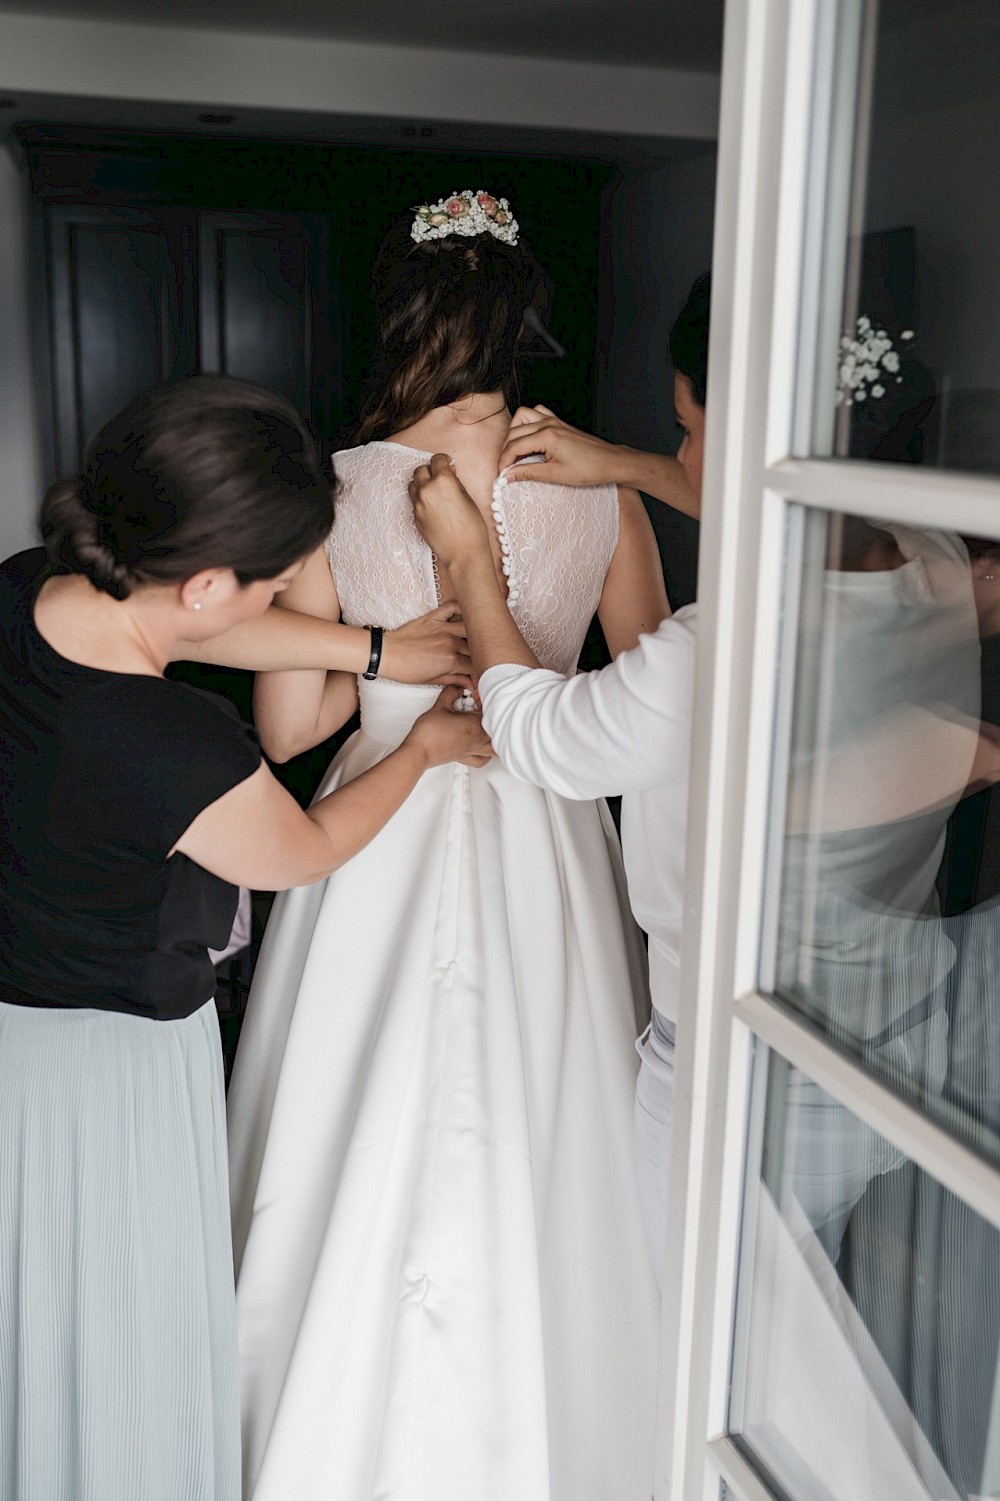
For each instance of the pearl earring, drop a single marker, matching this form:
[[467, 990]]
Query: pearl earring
[[196, 605]]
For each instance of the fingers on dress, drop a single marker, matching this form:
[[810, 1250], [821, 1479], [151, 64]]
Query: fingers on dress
[[444, 1292]]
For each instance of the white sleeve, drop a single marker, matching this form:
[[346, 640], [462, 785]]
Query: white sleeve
[[599, 733]]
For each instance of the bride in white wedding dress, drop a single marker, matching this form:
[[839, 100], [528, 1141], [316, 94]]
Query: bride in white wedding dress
[[444, 1292]]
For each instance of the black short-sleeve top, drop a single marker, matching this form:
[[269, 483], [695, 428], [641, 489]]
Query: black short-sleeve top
[[100, 774]]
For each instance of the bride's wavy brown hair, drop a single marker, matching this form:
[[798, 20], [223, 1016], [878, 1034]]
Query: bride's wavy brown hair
[[450, 314]]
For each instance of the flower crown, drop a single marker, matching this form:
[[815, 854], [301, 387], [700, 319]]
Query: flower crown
[[465, 213]]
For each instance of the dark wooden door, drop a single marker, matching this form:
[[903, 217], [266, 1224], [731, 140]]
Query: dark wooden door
[[120, 313], [138, 295], [268, 305]]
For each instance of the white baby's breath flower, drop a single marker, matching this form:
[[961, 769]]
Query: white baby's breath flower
[[466, 214], [862, 361]]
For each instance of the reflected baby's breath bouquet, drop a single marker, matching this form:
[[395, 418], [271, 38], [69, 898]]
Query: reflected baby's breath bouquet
[[869, 363]]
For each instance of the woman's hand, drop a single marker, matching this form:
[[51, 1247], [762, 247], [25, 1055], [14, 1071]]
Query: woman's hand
[[257, 835], [430, 649], [569, 457], [445, 734], [445, 513]]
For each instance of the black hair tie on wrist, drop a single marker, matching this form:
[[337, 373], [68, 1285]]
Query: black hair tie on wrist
[[375, 660]]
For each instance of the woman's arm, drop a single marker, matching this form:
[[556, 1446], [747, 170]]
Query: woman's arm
[[287, 637], [280, 640], [622, 729], [337, 701], [257, 835], [295, 710], [634, 599], [453, 528]]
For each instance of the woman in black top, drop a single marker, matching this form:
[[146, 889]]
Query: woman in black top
[[130, 805]]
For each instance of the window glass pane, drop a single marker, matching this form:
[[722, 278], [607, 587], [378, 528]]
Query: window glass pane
[[889, 915], [868, 1312], [914, 241]]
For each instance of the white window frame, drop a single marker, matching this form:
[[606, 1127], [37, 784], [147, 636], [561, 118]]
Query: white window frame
[[778, 175]]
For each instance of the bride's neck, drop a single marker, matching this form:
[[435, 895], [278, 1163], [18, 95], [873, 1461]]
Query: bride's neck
[[482, 406], [481, 419]]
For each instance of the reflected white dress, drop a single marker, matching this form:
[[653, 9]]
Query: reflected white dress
[[444, 1292]]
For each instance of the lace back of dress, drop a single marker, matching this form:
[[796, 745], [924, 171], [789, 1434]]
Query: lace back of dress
[[557, 544], [380, 563], [560, 541]]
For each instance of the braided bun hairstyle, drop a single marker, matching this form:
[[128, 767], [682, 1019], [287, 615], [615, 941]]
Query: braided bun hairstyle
[[209, 472], [74, 538], [450, 314]]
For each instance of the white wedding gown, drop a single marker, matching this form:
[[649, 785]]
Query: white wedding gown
[[444, 1292]]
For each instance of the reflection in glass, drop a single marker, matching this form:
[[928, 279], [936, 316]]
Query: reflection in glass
[[889, 921], [865, 1362], [915, 250]]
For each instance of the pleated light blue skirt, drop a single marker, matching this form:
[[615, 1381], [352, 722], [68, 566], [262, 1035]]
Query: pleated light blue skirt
[[118, 1363]]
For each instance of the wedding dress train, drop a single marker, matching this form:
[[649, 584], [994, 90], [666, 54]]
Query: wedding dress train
[[444, 1292]]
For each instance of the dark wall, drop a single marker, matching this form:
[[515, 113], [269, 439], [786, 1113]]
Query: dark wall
[[346, 197], [659, 222]]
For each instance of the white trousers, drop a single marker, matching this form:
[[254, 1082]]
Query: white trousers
[[652, 1122]]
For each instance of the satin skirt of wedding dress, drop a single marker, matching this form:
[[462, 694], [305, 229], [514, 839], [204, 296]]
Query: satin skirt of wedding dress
[[444, 1292]]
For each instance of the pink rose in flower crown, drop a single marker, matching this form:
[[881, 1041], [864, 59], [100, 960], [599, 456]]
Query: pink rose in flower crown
[[471, 212]]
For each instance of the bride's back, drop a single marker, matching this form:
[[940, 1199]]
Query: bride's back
[[555, 542], [451, 290]]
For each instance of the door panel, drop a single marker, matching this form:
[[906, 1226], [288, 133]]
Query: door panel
[[265, 303], [116, 303], [831, 1320]]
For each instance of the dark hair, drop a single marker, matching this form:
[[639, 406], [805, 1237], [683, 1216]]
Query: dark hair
[[980, 547], [689, 338], [450, 313], [209, 472]]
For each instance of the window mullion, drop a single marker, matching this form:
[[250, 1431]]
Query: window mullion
[[728, 1464], [931, 1145], [748, 204], [890, 492]]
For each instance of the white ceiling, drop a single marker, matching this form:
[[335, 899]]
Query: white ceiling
[[666, 33]]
